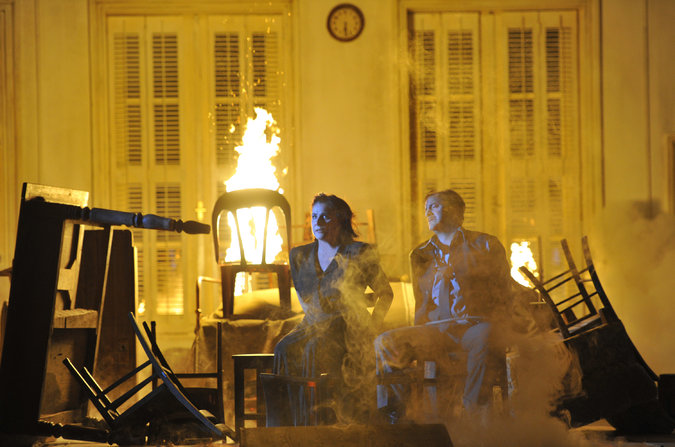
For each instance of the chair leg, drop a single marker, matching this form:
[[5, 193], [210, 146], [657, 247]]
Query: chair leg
[[219, 374], [284, 285], [228, 278]]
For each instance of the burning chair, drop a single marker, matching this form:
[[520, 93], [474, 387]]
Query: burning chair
[[240, 260], [617, 384], [247, 198]]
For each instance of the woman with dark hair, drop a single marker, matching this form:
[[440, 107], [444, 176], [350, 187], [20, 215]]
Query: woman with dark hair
[[336, 334]]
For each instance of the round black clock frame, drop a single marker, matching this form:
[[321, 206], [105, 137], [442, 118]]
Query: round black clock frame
[[350, 17]]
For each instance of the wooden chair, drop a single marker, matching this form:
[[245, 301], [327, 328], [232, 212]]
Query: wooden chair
[[568, 297], [435, 385], [207, 398], [260, 364], [163, 414], [617, 384], [593, 279], [247, 198], [607, 311], [316, 393]]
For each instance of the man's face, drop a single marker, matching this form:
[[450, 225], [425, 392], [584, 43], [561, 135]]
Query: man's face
[[441, 216]]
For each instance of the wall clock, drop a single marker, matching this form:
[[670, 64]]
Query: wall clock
[[345, 22]]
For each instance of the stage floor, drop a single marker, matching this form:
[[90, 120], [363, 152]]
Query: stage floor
[[599, 434]]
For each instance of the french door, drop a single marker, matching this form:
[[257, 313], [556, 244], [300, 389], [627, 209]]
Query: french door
[[181, 88], [495, 116]]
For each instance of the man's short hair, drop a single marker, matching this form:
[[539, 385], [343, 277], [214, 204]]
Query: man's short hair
[[453, 198]]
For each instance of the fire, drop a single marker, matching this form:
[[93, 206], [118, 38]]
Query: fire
[[254, 165], [521, 255], [255, 170]]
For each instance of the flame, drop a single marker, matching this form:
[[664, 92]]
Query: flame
[[255, 170], [521, 255]]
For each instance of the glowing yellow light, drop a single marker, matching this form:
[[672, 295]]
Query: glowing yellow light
[[521, 255], [255, 170]]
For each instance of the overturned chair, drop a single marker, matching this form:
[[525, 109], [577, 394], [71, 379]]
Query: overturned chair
[[164, 414], [616, 382]]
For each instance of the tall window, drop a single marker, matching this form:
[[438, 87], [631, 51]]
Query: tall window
[[495, 117], [181, 89]]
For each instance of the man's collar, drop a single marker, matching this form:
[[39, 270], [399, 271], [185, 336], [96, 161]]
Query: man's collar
[[436, 244]]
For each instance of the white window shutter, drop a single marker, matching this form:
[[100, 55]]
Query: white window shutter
[[247, 71], [542, 164], [446, 91], [164, 41], [176, 114], [168, 256], [128, 130], [147, 148], [495, 109], [463, 171], [228, 62], [130, 197], [128, 126]]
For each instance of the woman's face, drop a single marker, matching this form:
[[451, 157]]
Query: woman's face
[[325, 223]]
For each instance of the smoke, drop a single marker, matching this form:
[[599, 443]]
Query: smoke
[[633, 247], [359, 269], [539, 363]]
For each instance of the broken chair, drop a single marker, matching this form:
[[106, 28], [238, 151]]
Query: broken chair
[[574, 308], [615, 382], [206, 398], [164, 414]]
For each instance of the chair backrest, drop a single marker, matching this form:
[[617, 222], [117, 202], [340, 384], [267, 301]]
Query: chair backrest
[[125, 422], [170, 380], [567, 296], [595, 281], [99, 396], [247, 198], [607, 311]]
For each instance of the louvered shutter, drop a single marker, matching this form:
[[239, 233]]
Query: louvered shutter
[[128, 138], [176, 117], [247, 72], [446, 92], [148, 165], [463, 81], [425, 100], [541, 147], [494, 99]]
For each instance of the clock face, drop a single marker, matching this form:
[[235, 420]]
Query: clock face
[[345, 22]]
